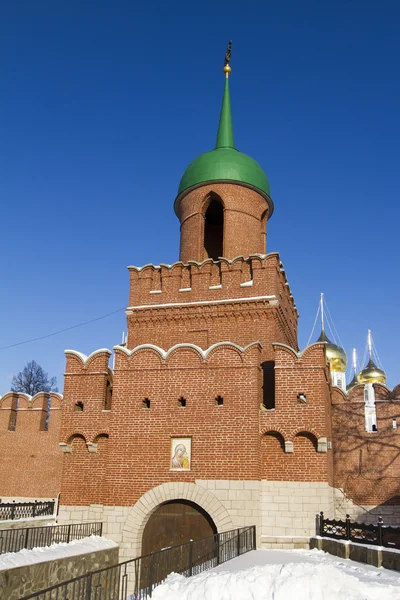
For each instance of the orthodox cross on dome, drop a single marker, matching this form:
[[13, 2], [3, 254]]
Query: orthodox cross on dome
[[227, 68]]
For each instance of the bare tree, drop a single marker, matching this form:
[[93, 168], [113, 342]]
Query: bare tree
[[33, 380]]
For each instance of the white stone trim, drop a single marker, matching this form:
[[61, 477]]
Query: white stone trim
[[203, 353], [199, 303], [84, 358]]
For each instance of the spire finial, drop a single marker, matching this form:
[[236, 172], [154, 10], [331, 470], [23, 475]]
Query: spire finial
[[322, 312], [370, 344], [355, 361], [225, 129], [227, 67]]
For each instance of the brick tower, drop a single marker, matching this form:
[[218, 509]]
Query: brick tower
[[210, 418]]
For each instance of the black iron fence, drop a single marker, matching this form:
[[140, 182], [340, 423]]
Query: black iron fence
[[26, 510], [14, 540], [136, 579], [360, 533]]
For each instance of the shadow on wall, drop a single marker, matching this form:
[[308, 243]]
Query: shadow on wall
[[367, 464], [268, 370]]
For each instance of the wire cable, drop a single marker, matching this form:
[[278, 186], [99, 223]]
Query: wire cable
[[43, 337], [315, 322]]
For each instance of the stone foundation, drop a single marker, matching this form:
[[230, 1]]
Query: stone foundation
[[284, 513], [365, 514], [288, 509], [370, 555], [21, 581]]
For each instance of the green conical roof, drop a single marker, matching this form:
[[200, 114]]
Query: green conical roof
[[225, 163], [225, 129]]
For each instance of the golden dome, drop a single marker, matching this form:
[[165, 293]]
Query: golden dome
[[371, 374], [335, 355], [352, 383]]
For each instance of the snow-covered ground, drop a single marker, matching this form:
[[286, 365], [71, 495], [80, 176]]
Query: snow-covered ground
[[284, 575], [10, 560]]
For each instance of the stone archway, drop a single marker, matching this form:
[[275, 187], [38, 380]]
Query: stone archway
[[140, 513], [176, 522]]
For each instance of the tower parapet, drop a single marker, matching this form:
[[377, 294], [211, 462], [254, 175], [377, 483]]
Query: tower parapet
[[211, 281], [204, 303]]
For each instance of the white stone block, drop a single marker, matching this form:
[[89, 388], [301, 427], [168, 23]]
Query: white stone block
[[252, 485], [221, 484], [236, 485]]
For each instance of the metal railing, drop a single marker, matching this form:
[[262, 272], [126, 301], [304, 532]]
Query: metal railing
[[360, 533], [136, 579], [14, 540], [26, 510]]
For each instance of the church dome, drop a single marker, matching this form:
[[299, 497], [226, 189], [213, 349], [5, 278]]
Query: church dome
[[335, 355], [225, 164], [353, 383], [371, 374]]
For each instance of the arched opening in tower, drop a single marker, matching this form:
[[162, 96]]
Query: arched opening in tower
[[176, 522], [214, 230]]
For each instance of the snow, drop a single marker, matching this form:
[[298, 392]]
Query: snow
[[10, 560], [284, 575]]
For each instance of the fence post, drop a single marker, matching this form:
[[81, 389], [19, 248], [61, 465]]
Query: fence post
[[254, 538], [348, 527], [26, 538], [151, 574], [101, 529], [380, 532], [217, 547], [89, 587], [69, 533], [191, 558], [238, 542], [321, 524], [12, 511], [34, 510]]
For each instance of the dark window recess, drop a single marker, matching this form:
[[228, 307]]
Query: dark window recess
[[12, 424], [146, 403], [45, 417], [182, 401], [219, 400], [214, 230], [79, 406], [108, 398], [268, 371]]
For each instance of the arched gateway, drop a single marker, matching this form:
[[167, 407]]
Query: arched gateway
[[176, 522], [195, 504]]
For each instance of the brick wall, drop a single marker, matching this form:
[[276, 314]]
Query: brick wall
[[30, 458], [224, 438], [367, 464], [296, 424]]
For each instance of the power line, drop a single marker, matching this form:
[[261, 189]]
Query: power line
[[43, 337]]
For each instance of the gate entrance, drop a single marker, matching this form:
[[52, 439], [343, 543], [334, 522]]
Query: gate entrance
[[176, 522]]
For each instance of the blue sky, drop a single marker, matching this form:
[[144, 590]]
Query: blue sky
[[104, 104]]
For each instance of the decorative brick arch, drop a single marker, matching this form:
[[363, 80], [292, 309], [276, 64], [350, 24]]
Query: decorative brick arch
[[140, 513], [305, 429], [267, 430]]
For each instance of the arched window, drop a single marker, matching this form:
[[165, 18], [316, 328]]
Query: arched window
[[214, 230]]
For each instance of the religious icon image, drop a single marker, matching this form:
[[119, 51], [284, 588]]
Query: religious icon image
[[181, 454]]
